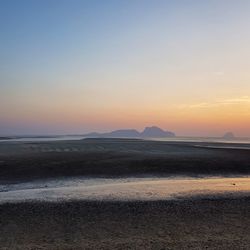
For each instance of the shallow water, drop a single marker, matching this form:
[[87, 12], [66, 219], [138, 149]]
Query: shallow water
[[120, 189], [43, 139]]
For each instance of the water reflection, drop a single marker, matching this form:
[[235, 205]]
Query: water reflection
[[120, 189]]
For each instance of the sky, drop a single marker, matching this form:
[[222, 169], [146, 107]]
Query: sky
[[71, 66]]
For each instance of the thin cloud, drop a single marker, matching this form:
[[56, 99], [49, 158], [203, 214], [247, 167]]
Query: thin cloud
[[224, 102], [219, 73], [243, 99]]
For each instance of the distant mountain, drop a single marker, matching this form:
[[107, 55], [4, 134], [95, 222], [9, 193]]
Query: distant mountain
[[155, 132], [127, 133], [123, 133], [228, 135], [148, 132]]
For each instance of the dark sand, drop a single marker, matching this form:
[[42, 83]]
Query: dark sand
[[188, 224], [118, 158]]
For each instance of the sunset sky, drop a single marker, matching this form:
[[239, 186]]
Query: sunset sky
[[75, 66]]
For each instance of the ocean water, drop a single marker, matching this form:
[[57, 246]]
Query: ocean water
[[206, 139], [170, 139]]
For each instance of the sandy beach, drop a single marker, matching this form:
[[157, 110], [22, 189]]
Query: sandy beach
[[124, 194]]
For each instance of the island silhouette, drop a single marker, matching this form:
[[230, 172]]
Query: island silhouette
[[148, 132], [229, 136]]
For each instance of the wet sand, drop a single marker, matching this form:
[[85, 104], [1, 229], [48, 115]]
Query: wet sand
[[21, 161]]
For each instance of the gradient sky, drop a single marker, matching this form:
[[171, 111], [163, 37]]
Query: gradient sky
[[79, 66]]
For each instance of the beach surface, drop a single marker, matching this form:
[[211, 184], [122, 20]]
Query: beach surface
[[124, 194]]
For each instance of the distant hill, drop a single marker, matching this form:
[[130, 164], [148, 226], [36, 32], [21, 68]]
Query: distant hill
[[123, 133], [148, 132], [155, 132], [228, 135]]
